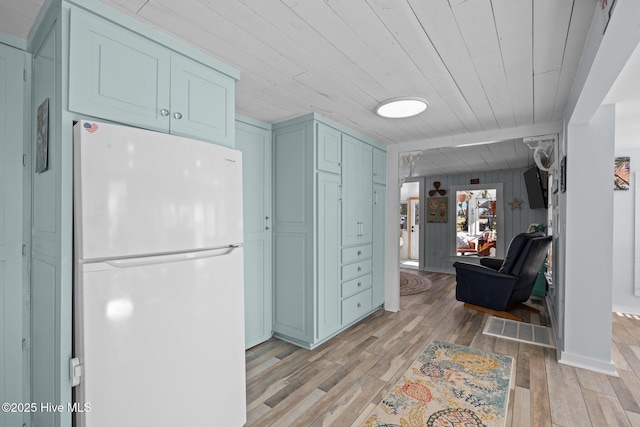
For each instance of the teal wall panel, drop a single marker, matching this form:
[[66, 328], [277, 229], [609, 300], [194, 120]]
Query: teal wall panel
[[12, 281], [439, 237]]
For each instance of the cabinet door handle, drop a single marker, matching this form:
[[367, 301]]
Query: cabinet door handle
[[164, 112], [177, 115], [266, 222]]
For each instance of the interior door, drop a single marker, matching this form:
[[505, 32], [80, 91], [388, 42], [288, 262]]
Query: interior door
[[414, 228], [255, 144]]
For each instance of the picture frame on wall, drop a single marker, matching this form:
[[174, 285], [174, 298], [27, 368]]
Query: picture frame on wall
[[563, 174], [42, 137], [621, 173], [437, 208]]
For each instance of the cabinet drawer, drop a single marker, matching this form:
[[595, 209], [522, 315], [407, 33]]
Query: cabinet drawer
[[351, 271], [356, 253], [356, 285], [356, 306]]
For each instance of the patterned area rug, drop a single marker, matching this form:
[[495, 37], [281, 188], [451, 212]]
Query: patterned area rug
[[448, 385], [412, 283]]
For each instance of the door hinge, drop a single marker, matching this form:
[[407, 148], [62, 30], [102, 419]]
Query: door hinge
[[24, 75], [75, 371], [24, 250], [24, 160]]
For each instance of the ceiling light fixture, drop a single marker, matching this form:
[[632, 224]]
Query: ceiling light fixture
[[406, 106]]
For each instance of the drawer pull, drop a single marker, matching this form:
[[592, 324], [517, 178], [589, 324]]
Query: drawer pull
[[359, 305], [359, 252], [359, 284], [359, 268]]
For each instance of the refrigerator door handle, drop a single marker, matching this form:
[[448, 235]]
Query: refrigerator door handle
[[164, 258]]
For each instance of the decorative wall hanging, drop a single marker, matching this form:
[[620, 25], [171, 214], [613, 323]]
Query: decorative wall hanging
[[437, 209], [438, 190], [42, 137], [515, 203], [621, 173], [563, 174]]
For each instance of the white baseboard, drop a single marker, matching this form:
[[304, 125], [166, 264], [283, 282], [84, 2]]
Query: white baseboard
[[627, 309], [588, 363]]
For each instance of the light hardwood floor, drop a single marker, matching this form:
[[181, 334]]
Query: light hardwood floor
[[340, 382]]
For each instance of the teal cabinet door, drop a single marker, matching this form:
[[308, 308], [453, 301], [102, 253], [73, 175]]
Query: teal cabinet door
[[365, 192], [328, 152], [379, 214], [117, 74], [202, 102], [379, 166], [328, 231], [350, 221], [255, 144], [357, 171]]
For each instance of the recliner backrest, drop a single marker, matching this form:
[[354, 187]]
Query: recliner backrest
[[519, 245]]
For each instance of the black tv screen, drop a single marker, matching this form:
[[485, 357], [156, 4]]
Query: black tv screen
[[536, 182]]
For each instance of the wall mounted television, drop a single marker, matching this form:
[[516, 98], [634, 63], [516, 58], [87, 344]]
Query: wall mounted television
[[536, 183]]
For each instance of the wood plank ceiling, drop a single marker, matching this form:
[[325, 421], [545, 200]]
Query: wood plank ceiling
[[484, 65]]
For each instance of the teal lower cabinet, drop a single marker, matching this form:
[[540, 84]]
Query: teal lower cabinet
[[357, 294], [321, 286]]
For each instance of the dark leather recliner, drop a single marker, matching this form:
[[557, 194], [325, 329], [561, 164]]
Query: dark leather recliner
[[497, 285]]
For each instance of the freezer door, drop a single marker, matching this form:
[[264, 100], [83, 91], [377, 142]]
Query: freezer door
[[139, 192], [162, 344]]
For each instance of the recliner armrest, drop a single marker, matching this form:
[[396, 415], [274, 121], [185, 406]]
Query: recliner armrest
[[493, 263], [483, 286]]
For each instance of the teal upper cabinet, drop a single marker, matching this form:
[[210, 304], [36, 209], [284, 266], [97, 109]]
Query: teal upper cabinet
[[202, 101], [357, 191], [379, 166], [328, 148], [119, 75]]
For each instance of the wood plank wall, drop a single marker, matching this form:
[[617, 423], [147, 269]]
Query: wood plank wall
[[439, 236]]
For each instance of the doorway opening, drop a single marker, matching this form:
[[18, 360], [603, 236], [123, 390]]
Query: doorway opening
[[478, 220], [410, 225]]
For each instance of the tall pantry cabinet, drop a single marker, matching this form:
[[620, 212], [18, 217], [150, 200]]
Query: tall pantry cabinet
[[325, 247]]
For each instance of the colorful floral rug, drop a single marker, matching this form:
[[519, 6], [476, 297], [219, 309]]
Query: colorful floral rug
[[448, 385], [413, 283]]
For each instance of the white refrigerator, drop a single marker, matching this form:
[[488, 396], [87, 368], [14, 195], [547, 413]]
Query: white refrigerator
[[158, 280]]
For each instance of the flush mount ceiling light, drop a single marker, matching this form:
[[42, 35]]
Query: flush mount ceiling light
[[397, 108]]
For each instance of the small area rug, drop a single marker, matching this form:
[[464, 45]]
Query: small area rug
[[448, 385], [412, 283]]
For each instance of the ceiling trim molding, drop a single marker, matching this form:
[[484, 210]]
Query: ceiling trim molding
[[479, 137]]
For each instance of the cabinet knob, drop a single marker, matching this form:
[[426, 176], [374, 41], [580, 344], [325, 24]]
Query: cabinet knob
[[164, 112], [359, 268], [359, 284], [359, 252], [177, 116], [359, 305]]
